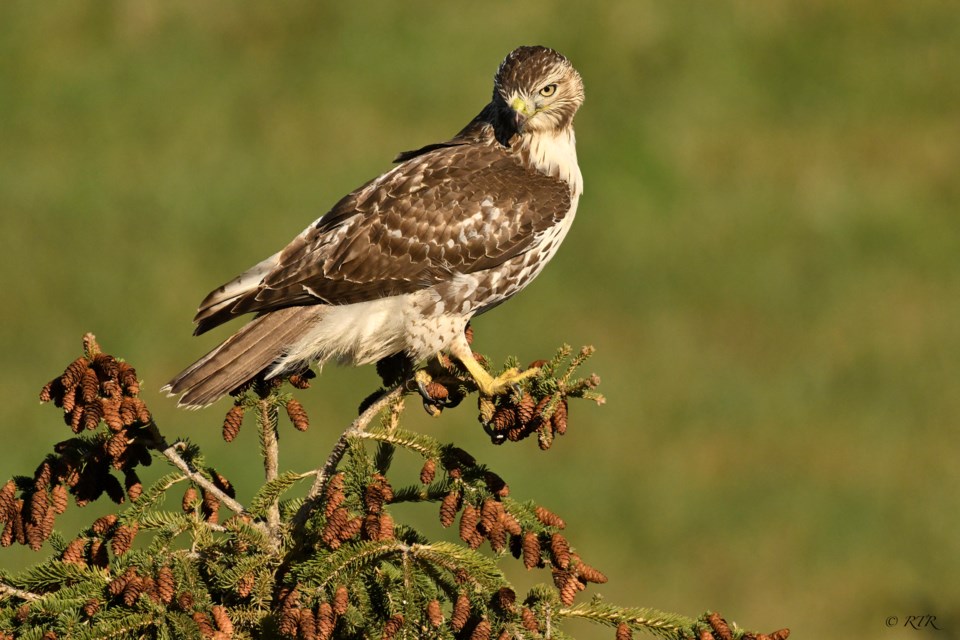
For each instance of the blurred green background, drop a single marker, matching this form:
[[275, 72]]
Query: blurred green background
[[767, 257]]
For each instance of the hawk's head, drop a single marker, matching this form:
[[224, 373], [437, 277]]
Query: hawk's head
[[537, 89]]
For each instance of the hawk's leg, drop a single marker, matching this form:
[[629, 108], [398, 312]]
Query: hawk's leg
[[487, 384]]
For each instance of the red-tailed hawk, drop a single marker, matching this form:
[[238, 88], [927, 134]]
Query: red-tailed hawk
[[401, 264]]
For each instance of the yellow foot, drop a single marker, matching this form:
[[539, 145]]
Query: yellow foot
[[505, 381]]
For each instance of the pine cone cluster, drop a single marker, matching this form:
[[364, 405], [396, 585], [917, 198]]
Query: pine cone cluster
[[716, 628], [310, 623], [341, 525], [91, 550], [216, 625], [574, 579], [94, 389], [514, 419], [127, 587]]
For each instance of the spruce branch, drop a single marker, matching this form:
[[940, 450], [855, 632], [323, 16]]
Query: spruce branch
[[659, 623], [267, 419], [333, 564], [6, 591], [171, 453]]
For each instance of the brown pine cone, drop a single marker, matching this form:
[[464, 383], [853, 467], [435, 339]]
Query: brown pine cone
[[38, 506], [74, 373], [568, 585], [6, 538], [549, 518], [531, 550], [289, 622], [302, 380], [437, 391], [335, 523], [526, 409], [202, 621], [461, 611], [498, 537], [392, 627], [131, 481], [189, 498], [341, 600], [529, 620], [210, 506], [232, 423], [705, 635], [245, 585], [166, 587], [115, 587], [449, 507], [307, 625], [559, 551], [298, 415], [351, 528], [74, 553], [103, 524], [429, 471], [434, 613], [468, 523], [503, 418], [490, 512], [185, 601], [334, 494], [51, 390], [505, 599], [58, 498], [481, 631], [110, 408], [106, 366], [90, 607], [123, 538], [46, 527], [89, 386], [98, 554], [128, 411], [116, 445], [510, 524], [7, 499], [222, 619], [586, 573], [719, 626], [132, 590], [385, 524], [221, 482], [325, 621], [41, 476], [371, 526], [127, 376], [559, 418], [624, 632], [74, 418]]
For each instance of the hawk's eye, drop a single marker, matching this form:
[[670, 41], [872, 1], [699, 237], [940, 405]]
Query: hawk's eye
[[548, 90]]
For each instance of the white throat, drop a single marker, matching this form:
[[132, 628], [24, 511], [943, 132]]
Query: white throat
[[555, 154]]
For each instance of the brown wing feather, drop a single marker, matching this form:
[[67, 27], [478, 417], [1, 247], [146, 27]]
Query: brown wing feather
[[452, 209]]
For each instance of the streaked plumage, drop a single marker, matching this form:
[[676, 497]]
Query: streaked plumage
[[402, 263]]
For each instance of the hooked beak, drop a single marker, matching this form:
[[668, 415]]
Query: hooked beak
[[522, 111]]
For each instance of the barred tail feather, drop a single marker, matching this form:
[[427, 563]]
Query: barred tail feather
[[242, 356]]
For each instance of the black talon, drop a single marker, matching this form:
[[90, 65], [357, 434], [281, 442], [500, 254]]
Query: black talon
[[430, 405]]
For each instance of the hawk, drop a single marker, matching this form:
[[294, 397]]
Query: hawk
[[401, 264]]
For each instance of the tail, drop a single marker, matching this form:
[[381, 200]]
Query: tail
[[240, 357]]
